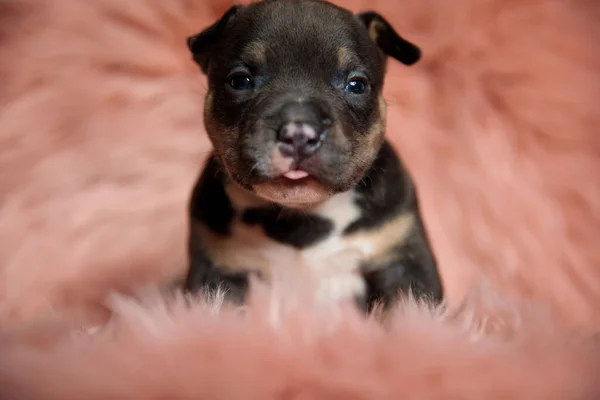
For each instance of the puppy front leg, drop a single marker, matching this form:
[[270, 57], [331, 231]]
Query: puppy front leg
[[204, 276], [410, 268]]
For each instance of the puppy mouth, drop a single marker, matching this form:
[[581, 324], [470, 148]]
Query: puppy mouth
[[287, 168], [295, 174], [292, 182]]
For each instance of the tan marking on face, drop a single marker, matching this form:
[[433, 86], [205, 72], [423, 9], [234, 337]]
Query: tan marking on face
[[382, 110], [255, 52], [377, 130], [368, 149], [222, 139], [344, 57], [208, 105], [212, 128]]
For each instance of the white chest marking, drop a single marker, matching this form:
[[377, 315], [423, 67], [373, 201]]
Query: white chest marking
[[331, 264]]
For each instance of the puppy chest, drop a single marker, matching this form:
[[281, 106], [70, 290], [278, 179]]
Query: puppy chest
[[279, 243], [268, 239]]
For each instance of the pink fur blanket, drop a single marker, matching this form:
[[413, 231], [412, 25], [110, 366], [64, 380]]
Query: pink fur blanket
[[101, 138]]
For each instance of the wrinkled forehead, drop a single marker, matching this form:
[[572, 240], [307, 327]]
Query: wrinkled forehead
[[302, 34]]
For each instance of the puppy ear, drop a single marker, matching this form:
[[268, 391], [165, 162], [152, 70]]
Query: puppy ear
[[203, 44], [392, 44]]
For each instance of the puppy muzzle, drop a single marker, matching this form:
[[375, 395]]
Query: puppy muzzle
[[301, 128]]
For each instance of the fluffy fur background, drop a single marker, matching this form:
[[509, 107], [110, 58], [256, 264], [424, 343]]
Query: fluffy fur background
[[101, 138], [161, 350]]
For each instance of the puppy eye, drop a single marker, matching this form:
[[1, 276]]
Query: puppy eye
[[356, 85], [241, 81]]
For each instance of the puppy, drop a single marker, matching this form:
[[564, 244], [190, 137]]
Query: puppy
[[301, 178]]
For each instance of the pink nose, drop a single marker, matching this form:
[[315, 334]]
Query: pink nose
[[299, 139]]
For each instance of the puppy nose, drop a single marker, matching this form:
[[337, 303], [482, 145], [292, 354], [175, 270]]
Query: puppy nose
[[299, 139], [302, 127]]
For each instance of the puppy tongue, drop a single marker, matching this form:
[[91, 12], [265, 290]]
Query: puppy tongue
[[296, 174]]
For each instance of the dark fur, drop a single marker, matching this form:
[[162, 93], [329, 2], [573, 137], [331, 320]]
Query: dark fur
[[387, 191], [299, 57]]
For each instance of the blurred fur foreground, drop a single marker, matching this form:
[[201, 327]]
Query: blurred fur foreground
[[154, 348], [101, 139]]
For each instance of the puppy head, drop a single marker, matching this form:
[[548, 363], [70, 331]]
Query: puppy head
[[294, 107]]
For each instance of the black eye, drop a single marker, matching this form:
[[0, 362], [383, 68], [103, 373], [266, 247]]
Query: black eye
[[356, 86], [241, 82]]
